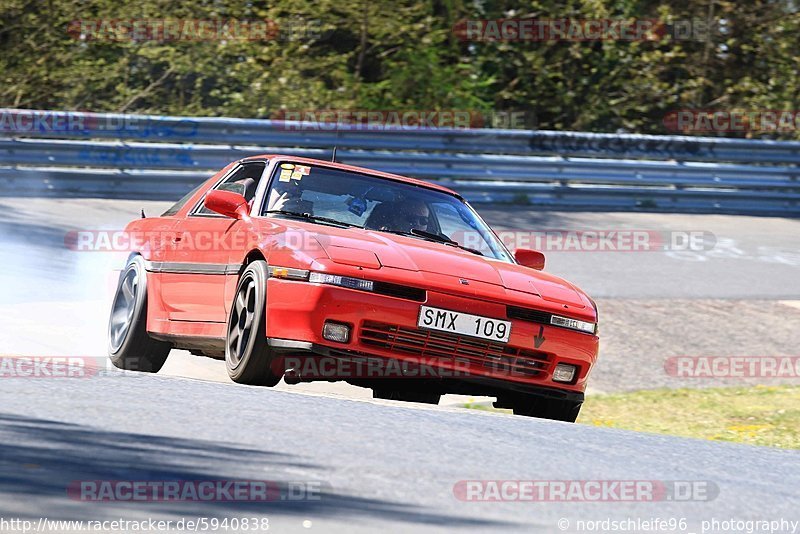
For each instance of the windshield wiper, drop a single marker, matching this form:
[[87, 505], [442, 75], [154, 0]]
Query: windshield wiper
[[313, 218], [436, 238]]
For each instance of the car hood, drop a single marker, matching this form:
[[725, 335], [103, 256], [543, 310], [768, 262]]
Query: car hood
[[373, 250]]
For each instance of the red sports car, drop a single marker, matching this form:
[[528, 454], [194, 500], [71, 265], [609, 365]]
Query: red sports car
[[312, 270]]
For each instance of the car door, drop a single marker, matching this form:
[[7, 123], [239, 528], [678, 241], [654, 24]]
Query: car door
[[195, 266]]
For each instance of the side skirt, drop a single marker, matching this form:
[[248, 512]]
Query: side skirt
[[213, 347]]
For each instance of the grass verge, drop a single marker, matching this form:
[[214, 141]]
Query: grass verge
[[758, 415]]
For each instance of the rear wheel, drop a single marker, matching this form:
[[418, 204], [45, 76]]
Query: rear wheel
[[555, 409], [248, 357], [129, 345]]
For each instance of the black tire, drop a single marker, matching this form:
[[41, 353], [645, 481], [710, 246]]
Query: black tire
[[555, 409], [129, 345], [248, 357], [424, 397]]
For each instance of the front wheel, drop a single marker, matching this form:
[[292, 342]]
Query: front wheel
[[248, 357], [129, 345]]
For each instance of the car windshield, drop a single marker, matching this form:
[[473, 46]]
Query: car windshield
[[332, 196]]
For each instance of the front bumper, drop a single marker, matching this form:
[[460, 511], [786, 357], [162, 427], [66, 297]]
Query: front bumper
[[385, 328]]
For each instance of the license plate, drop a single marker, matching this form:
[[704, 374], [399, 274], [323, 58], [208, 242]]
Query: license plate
[[464, 324]]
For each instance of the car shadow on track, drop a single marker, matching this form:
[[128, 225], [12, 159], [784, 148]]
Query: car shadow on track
[[41, 459]]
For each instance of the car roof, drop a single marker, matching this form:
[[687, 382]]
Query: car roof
[[352, 168]]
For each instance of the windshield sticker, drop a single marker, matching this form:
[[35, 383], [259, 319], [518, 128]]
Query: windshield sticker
[[297, 176], [286, 175], [305, 170], [288, 166]]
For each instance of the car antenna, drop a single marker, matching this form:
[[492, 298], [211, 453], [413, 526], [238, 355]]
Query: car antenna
[[333, 156], [143, 215]]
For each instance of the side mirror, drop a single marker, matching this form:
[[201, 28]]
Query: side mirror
[[227, 203], [530, 258]]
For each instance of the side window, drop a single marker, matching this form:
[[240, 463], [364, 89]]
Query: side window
[[244, 180]]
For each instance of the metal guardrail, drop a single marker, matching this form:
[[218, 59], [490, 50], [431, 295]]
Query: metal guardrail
[[143, 156]]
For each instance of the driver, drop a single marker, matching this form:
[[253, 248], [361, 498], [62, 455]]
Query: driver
[[412, 214]]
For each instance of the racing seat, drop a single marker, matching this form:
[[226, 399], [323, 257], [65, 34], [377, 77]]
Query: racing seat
[[249, 188]]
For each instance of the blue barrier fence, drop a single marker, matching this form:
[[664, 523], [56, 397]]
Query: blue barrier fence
[[157, 157]]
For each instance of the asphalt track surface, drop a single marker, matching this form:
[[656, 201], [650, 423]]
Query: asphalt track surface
[[382, 467], [386, 465]]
